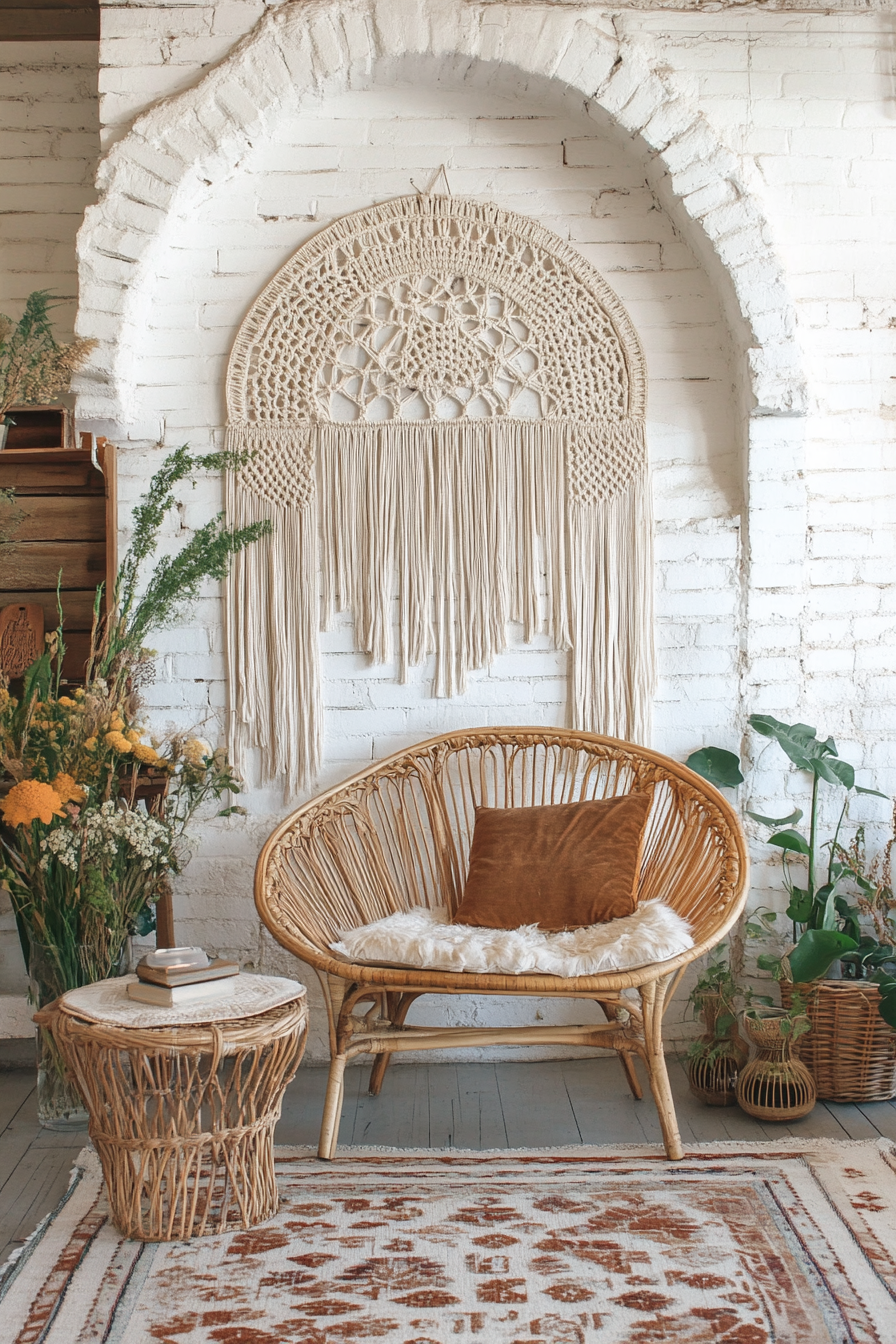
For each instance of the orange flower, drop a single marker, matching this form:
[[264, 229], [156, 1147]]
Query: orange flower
[[119, 742], [31, 801], [69, 791], [146, 755]]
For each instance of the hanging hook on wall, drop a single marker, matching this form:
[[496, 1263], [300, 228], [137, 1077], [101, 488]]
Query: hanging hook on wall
[[440, 172]]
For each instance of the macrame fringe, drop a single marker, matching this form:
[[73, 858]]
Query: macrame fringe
[[274, 703], [470, 522]]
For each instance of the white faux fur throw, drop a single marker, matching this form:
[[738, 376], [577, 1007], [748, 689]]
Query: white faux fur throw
[[421, 937]]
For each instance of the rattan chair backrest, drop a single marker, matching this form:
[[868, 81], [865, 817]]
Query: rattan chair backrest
[[398, 834]]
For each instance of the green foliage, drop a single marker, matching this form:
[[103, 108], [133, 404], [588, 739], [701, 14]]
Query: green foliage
[[887, 985], [176, 580], [96, 821], [720, 767], [816, 949], [826, 924]]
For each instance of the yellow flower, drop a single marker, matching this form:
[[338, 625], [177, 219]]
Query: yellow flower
[[31, 801], [80, 693], [4, 698], [89, 743], [132, 735], [66, 701], [69, 791], [147, 755], [195, 751], [119, 742], [116, 723]]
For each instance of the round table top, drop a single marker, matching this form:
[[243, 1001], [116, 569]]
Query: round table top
[[107, 1002]]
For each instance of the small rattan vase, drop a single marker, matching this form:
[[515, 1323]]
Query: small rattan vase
[[774, 1085], [714, 1063], [851, 1050]]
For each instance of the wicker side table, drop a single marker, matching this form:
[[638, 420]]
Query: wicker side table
[[183, 1115]]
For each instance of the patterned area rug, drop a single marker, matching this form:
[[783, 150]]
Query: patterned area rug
[[739, 1244]]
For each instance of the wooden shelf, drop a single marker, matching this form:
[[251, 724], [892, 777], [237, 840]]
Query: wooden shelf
[[49, 20], [69, 524]]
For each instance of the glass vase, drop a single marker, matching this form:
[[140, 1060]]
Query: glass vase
[[52, 972]]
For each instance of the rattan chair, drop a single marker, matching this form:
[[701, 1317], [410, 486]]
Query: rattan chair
[[397, 836]]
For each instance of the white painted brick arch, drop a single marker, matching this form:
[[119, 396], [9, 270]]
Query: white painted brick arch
[[299, 50], [209, 190]]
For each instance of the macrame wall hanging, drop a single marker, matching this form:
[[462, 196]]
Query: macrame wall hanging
[[445, 406]]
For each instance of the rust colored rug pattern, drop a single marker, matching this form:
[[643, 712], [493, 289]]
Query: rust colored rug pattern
[[792, 1243]]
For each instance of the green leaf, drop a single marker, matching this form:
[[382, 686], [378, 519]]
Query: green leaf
[[829, 918], [791, 840], [844, 772], [766, 962], [887, 1005], [800, 906], [36, 679], [797, 740], [815, 951], [823, 769], [796, 815], [872, 793], [720, 767]]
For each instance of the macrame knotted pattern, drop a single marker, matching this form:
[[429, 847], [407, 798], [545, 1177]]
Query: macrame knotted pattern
[[444, 403]]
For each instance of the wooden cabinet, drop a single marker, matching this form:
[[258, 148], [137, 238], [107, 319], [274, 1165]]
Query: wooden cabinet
[[68, 501]]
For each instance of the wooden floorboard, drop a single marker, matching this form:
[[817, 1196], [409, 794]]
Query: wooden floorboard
[[463, 1106]]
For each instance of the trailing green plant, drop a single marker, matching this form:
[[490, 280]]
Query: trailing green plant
[[716, 983], [34, 366], [793, 1022]]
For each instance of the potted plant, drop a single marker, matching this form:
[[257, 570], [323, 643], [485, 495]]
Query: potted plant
[[715, 1059], [775, 1085], [34, 367], [841, 918], [82, 855]]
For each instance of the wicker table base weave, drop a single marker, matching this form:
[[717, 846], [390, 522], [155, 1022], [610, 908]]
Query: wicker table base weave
[[183, 1118]]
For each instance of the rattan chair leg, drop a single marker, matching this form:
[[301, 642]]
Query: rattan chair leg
[[329, 1129], [611, 1013], [627, 1060], [652, 996], [399, 1005]]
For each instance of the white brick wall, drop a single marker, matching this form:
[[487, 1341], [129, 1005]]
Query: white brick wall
[[49, 143], [775, 541]]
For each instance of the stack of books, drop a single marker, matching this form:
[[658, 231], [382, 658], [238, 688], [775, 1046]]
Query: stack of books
[[185, 981]]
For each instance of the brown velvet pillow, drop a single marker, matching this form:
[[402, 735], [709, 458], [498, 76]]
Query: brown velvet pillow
[[559, 867]]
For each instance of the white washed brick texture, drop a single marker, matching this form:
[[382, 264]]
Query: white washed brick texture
[[789, 607], [49, 143]]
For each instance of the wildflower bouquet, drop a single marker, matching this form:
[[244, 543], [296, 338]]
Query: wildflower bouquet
[[96, 813]]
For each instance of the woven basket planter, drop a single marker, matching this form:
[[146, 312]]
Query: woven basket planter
[[850, 1051], [715, 1064], [774, 1085]]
